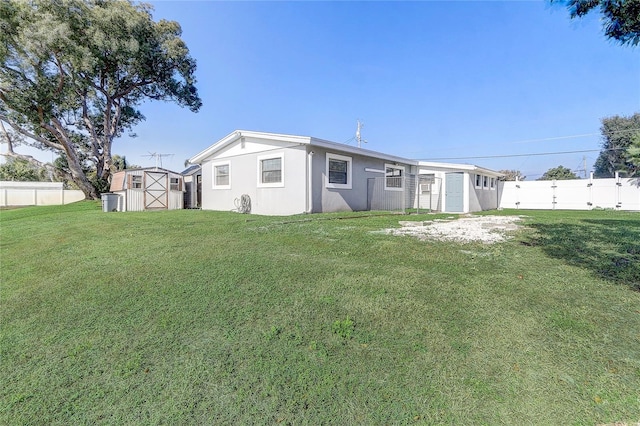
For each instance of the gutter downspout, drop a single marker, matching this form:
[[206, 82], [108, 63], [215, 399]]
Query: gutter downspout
[[309, 182]]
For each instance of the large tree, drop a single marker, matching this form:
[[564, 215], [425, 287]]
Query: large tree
[[620, 18], [633, 152], [18, 169], [619, 139], [510, 175], [74, 72], [558, 173]]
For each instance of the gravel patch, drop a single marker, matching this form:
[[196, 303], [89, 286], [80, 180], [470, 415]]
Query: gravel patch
[[486, 229]]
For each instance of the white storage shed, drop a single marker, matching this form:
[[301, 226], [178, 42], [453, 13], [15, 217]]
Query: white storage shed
[[148, 189]]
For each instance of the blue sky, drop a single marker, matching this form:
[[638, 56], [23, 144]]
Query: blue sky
[[430, 80]]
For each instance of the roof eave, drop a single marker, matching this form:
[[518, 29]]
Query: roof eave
[[238, 134], [456, 166], [360, 151]]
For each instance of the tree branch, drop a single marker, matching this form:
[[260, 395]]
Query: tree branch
[[61, 70], [89, 123], [12, 154], [30, 135]]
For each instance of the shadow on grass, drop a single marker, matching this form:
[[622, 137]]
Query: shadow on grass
[[608, 247]]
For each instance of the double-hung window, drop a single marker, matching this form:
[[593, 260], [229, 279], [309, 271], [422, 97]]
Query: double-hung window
[[174, 184], [135, 181], [339, 169], [478, 181], [271, 170], [394, 177], [222, 175]]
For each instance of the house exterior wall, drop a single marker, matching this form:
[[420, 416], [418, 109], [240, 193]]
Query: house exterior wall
[[475, 198], [243, 160], [355, 198], [438, 197], [482, 197], [433, 200], [191, 182]]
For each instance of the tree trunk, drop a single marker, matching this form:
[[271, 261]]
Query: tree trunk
[[86, 187], [80, 178], [73, 159]]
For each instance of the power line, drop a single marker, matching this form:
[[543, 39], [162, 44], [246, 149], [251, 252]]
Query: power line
[[521, 155], [555, 138], [615, 132]]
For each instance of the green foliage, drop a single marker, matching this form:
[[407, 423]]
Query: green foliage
[[558, 173], [619, 134], [633, 152], [74, 73], [200, 317], [620, 18], [511, 175], [17, 169], [119, 162], [343, 328]]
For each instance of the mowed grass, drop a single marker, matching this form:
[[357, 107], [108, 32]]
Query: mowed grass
[[196, 317]]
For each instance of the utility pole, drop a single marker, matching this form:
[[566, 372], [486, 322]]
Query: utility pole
[[358, 134]]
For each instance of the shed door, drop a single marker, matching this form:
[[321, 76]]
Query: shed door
[[155, 190], [454, 192]]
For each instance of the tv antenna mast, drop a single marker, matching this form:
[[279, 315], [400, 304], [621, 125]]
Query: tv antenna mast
[[158, 157], [358, 133]]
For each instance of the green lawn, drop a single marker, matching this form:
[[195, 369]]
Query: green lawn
[[220, 318]]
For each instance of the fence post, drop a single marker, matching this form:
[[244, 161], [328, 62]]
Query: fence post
[[416, 191], [618, 187]]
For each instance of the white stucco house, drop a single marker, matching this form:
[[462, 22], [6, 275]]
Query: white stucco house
[[278, 174]]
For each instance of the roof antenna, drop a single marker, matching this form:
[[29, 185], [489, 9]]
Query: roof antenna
[[158, 157], [358, 136]]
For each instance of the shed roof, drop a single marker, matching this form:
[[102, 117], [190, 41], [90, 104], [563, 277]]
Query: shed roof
[[191, 170], [457, 166], [118, 178], [154, 169]]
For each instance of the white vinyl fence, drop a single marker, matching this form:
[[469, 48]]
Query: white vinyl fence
[[36, 194], [578, 194]]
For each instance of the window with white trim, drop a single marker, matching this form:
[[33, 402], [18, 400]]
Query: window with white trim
[[394, 177], [222, 175], [271, 170], [478, 181], [339, 169], [493, 183], [174, 184], [136, 182], [485, 182]]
